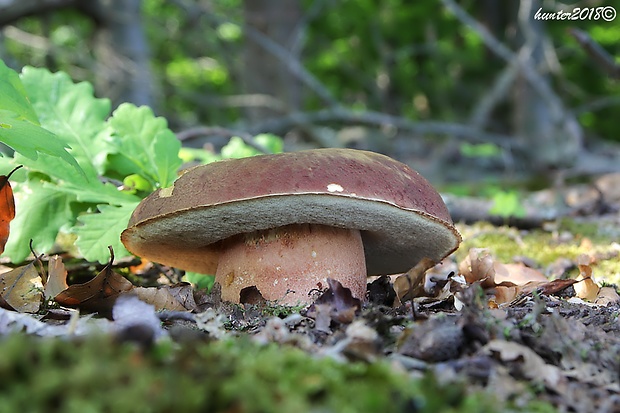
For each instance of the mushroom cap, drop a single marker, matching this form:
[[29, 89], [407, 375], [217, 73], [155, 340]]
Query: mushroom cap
[[401, 217]]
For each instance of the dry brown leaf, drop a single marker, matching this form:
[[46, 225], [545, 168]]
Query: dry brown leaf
[[178, 297], [583, 262], [22, 289], [411, 284], [335, 304], [7, 208], [478, 267], [586, 289], [56, 278], [555, 286], [98, 294], [504, 294], [517, 273], [362, 342], [607, 295], [531, 364]]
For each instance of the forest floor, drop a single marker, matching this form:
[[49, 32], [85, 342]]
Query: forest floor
[[520, 339], [518, 319]]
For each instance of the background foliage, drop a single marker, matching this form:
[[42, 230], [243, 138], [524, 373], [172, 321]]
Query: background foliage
[[391, 65], [413, 59]]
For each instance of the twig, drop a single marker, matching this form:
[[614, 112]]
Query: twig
[[193, 133], [292, 63], [276, 50], [341, 114], [298, 38], [596, 52], [531, 75], [482, 111], [597, 104], [239, 101]]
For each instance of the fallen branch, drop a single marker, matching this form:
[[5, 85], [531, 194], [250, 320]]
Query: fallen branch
[[537, 81], [340, 114], [500, 89], [197, 132], [596, 52], [292, 63]]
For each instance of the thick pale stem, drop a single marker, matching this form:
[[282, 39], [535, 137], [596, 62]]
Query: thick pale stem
[[290, 264]]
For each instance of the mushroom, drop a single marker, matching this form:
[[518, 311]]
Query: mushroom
[[285, 223]]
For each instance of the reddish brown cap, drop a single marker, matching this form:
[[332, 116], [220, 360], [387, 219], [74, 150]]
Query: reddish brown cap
[[401, 216]]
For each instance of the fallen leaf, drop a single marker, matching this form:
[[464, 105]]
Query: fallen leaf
[[22, 289], [529, 364], [381, 292], [411, 284], [12, 322], [7, 208], [56, 281], [504, 294], [607, 295], [177, 297], [478, 267], [98, 294], [321, 314], [440, 338], [339, 297], [583, 262], [586, 289], [336, 303], [361, 342], [518, 274], [555, 286], [212, 322]]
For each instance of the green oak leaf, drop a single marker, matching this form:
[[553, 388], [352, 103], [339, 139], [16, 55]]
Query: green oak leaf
[[70, 111], [19, 123], [103, 228], [14, 97], [143, 145], [29, 139], [40, 214]]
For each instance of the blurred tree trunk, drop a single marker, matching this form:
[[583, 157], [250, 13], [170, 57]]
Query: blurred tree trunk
[[122, 52], [265, 74], [540, 122], [121, 48], [550, 132]]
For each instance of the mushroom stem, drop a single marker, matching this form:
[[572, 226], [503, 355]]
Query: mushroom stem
[[287, 264]]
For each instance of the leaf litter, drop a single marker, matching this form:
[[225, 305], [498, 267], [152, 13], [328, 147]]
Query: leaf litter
[[503, 328]]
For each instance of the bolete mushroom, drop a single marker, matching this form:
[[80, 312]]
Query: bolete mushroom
[[284, 223]]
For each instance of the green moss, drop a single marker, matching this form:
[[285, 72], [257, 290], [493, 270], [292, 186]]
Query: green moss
[[544, 247], [282, 311], [99, 375]]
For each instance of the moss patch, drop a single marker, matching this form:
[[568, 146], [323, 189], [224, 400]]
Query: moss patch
[[570, 240], [100, 375]]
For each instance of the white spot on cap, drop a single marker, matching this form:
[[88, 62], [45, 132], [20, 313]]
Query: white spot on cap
[[166, 192], [334, 188]]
